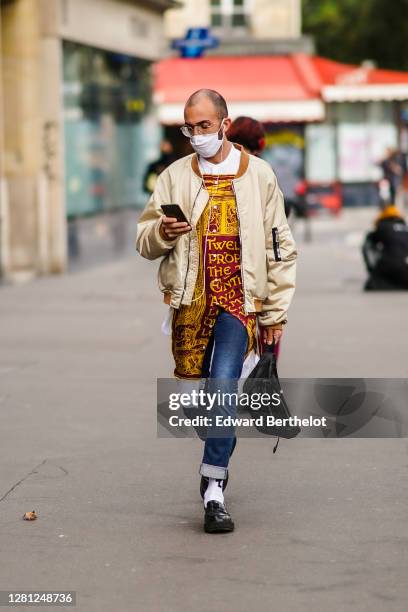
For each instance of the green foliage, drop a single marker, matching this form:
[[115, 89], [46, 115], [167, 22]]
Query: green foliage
[[355, 30]]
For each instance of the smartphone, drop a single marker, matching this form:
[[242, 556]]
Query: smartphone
[[174, 210]]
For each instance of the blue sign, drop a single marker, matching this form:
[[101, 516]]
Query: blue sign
[[195, 42]]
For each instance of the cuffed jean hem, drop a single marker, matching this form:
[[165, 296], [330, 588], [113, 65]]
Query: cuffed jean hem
[[213, 471]]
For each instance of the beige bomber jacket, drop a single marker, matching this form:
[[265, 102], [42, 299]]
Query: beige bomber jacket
[[268, 251]]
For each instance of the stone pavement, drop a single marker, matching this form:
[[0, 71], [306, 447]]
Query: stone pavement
[[320, 525]]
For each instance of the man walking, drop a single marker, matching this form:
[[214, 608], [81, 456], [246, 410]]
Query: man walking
[[230, 267]]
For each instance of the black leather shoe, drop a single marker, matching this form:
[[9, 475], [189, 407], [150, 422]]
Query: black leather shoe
[[204, 479], [217, 518]]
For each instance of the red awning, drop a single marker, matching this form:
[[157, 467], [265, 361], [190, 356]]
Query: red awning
[[238, 78], [272, 88], [334, 73]]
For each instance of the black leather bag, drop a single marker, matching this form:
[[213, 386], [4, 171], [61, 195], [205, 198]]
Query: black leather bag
[[264, 379]]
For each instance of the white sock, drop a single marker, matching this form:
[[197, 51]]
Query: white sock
[[214, 491]]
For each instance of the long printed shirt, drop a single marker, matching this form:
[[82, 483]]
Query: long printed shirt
[[219, 283]]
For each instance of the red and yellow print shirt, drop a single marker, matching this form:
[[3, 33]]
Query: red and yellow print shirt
[[219, 282]]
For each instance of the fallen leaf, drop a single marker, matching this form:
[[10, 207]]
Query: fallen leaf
[[30, 516]]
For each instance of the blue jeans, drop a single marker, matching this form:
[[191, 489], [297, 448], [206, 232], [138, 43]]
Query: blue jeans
[[223, 359]]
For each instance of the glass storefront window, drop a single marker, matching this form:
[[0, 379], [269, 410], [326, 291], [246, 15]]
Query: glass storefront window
[[364, 132], [107, 97], [321, 160], [285, 146]]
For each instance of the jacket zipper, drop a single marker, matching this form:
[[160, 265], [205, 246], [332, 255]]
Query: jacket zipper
[[189, 244], [240, 246]]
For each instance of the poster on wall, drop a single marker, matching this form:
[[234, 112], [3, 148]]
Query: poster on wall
[[361, 149], [320, 164]]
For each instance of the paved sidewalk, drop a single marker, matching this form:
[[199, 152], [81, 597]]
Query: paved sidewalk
[[321, 525]]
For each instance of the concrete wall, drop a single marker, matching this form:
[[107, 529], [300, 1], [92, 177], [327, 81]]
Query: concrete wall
[[276, 19], [4, 227], [32, 206], [194, 13], [269, 19], [113, 25], [33, 229], [22, 135]]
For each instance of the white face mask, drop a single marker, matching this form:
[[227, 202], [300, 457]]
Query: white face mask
[[207, 145]]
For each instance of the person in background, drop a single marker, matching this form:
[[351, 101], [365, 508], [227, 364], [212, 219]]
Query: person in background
[[394, 168], [250, 133], [385, 252], [153, 170]]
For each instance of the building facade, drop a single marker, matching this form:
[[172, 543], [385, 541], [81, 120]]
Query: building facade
[[76, 119], [244, 27], [327, 123]]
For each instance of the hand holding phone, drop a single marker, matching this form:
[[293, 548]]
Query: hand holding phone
[[174, 222]]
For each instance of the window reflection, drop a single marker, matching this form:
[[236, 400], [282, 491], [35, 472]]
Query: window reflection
[[107, 98]]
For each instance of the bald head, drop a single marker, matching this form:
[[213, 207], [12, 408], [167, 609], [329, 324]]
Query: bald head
[[212, 96]]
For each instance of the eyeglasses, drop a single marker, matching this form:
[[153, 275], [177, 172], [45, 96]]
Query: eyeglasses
[[200, 128]]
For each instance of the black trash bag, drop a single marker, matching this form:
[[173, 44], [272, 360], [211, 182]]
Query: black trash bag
[[264, 379]]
